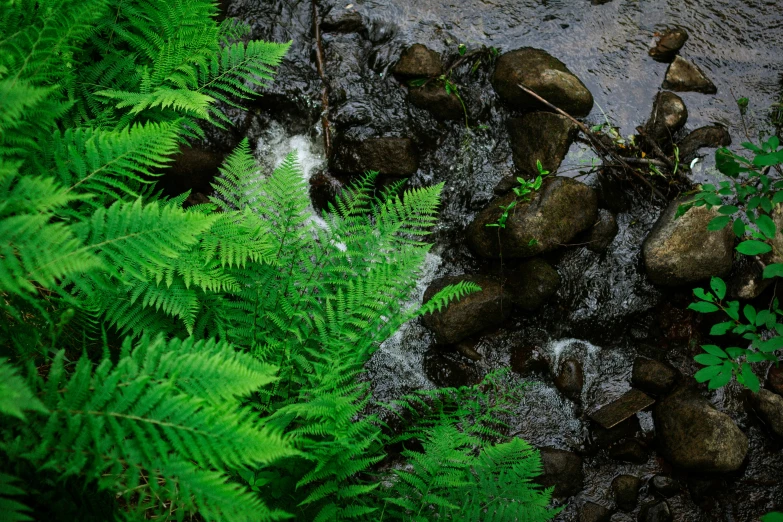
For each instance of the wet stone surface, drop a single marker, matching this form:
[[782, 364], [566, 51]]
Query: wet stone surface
[[621, 409]]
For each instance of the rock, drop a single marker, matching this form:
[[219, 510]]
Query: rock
[[652, 376], [506, 185], [775, 379], [665, 485], [600, 236], [193, 169], [655, 512], [532, 284], [630, 450], [746, 281], [434, 98], [683, 76], [712, 136], [469, 315], [389, 156], [450, 371], [570, 379], [417, 61], [605, 437], [556, 213], [592, 512], [683, 251], [625, 489], [543, 74], [694, 436], [563, 470], [669, 44], [528, 359], [628, 405], [468, 349], [543, 136], [669, 115], [324, 189], [340, 20], [769, 407]]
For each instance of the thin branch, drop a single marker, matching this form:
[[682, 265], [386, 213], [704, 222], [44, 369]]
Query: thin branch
[[319, 62]]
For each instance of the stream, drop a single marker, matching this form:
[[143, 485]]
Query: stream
[[606, 311]]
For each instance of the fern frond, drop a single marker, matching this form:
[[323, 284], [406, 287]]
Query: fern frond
[[16, 397], [448, 294], [11, 510]]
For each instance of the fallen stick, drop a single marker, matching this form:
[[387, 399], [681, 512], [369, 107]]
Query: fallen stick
[[319, 63]]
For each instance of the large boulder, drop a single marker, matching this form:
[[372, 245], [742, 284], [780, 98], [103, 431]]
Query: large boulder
[[669, 115], [543, 74], [769, 406], [434, 98], [563, 470], [540, 136], [652, 376], [669, 44], [712, 136], [694, 436], [683, 75], [417, 61], [532, 283], [469, 315], [556, 213], [389, 156], [682, 251]]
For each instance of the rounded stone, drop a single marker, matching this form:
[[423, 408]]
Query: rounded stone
[[418, 61], [625, 489], [532, 284], [570, 379], [683, 76]]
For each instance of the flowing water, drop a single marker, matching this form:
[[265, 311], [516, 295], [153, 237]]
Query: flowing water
[[606, 311]]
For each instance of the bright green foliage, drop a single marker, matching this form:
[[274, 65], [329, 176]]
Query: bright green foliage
[[756, 187]]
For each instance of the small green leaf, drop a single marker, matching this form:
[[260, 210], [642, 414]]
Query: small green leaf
[[732, 310], [727, 210], [714, 350], [773, 270], [721, 328], [771, 345], [708, 360], [462, 49], [738, 227], [767, 226], [748, 378], [719, 287], [735, 352], [703, 307], [750, 313], [718, 223], [742, 103], [707, 373], [774, 516], [753, 248], [720, 380], [704, 296]]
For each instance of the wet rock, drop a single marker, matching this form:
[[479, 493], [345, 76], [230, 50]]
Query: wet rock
[[598, 238], [628, 405], [543, 136], [450, 371], [543, 74], [389, 156], [468, 349], [193, 169], [694, 436], [712, 136], [665, 485], [556, 213], [434, 98], [669, 43], [769, 407], [603, 437], [655, 512], [592, 512], [506, 185], [528, 359], [563, 470], [775, 379], [532, 284], [683, 76], [340, 20], [570, 379], [746, 281], [469, 315], [324, 189], [630, 450], [652, 376], [625, 489], [417, 61], [683, 251], [669, 115]]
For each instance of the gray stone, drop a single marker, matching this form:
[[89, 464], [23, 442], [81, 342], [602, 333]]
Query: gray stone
[[630, 450], [669, 115], [665, 485], [683, 251], [563, 470], [388, 156], [340, 20], [769, 407], [775, 379], [682, 76], [617, 411], [434, 98], [532, 284], [540, 136], [625, 489], [598, 238], [669, 43], [652, 376], [469, 315], [570, 379], [555, 214], [592, 512], [543, 74], [655, 512], [694, 436], [712, 136], [417, 61]]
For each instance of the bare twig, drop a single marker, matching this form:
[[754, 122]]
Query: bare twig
[[319, 62], [655, 147], [647, 161], [599, 147]]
